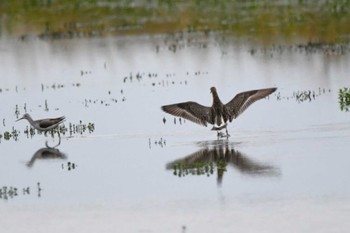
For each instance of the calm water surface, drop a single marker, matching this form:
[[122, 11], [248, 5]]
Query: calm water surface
[[285, 168]]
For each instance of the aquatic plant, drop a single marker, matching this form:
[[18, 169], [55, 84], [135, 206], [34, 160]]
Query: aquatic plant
[[302, 96], [10, 192], [161, 142], [344, 99], [79, 128], [7, 135], [69, 166]]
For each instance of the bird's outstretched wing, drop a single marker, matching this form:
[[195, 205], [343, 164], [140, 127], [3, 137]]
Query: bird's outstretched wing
[[243, 100], [189, 110]]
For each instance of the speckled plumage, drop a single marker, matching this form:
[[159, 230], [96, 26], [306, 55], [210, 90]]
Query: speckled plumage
[[218, 114], [43, 124]]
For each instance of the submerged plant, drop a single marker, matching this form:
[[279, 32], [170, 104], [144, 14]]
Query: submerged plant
[[344, 99]]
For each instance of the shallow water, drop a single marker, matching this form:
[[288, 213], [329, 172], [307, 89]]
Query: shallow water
[[285, 166]]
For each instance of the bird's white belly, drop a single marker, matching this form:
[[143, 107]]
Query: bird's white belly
[[219, 126]]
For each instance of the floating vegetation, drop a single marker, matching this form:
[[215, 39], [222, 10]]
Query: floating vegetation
[[304, 96], [8, 135], [82, 72], [6, 89], [17, 112], [57, 86], [309, 48], [344, 99], [10, 192], [176, 119], [161, 142], [72, 129], [46, 108], [88, 102], [106, 102], [166, 83], [149, 77], [81, 128], [69, 166]]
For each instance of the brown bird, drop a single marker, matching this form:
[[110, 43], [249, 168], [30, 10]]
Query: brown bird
[[43, 124], [218, 114]]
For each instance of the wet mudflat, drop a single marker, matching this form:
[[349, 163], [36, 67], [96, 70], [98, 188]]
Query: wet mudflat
[[124, 165]]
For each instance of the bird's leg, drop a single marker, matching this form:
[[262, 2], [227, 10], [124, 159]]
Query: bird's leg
[[59, 141], [59, 137], [227, 134], [220, 134]]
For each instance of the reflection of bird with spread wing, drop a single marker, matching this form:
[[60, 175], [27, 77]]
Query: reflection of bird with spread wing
[[46, 153], [218, 156]]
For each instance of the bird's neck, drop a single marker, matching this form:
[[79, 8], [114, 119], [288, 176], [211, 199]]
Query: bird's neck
[[30, 120], [216, 99]]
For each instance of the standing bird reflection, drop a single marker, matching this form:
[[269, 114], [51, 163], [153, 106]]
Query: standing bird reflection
[[218, 114]]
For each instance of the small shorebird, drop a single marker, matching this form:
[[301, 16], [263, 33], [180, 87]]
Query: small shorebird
[[218, 114], [43, 124]]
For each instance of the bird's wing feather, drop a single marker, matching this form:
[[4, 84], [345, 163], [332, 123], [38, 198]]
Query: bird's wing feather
[[45, 123], [189, 110], [243, 100]]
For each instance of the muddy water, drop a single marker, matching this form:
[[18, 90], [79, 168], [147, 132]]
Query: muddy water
[[285, 167]]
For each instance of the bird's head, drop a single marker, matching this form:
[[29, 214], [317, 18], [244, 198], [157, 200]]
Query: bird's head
[[212, 90], [25, 116]]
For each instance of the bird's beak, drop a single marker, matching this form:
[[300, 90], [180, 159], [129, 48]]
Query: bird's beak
[[20, 119]]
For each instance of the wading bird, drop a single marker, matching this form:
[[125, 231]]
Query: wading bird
[[218, 114], [43, 124]]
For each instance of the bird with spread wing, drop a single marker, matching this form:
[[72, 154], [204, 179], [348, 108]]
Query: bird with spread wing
[[218, 114]]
